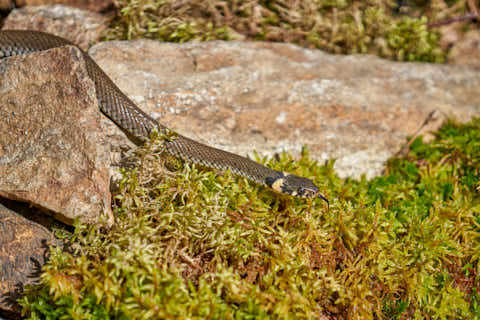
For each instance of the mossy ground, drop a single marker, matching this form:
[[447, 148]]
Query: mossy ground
[[395, 30], [192, 243], [195, 244]]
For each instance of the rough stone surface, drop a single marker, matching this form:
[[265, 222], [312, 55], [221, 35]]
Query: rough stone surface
[[467, 50], [5, 4], [79, 26], [271, 97], [24, 247], [53, 152], [92, 5]]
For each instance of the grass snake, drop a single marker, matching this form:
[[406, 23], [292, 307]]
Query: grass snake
[[138, 125]]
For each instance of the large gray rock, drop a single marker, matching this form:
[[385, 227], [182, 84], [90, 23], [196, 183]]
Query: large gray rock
[[53, 153], [270, 97]]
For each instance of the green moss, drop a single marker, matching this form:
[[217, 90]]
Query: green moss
[[194, 244], [338, 26], [411, 41]]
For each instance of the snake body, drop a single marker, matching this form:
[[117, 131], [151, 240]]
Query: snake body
[[138, 125]]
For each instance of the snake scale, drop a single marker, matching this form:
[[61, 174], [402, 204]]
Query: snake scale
[[138, 125]]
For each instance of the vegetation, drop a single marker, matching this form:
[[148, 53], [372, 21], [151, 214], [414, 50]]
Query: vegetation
[[190, 243], [340, 26]]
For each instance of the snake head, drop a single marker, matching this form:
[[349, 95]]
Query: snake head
[[295, 186]]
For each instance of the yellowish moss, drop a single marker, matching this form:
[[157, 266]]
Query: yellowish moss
[[195, 244]]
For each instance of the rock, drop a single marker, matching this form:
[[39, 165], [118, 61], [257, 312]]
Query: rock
[[269, 97], [53, 153], [92, 5], [6, 4], [24, 247], [467, 50], [79, 26]]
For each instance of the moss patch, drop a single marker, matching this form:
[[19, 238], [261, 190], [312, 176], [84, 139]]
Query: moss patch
[[190, 243], [338, 26]]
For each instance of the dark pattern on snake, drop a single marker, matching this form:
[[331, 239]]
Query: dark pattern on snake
[[138, 125]]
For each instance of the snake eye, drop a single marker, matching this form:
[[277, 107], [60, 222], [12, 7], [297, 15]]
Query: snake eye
[[303, 192], [311, 193], [307, 192]]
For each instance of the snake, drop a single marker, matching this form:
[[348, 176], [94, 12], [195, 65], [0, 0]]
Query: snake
[[139, 126]]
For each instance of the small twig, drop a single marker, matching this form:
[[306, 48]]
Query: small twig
[[406, 148], [468, 16]]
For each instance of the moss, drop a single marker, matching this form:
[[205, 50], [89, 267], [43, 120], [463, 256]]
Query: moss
[[194, 244], [338, 26]]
